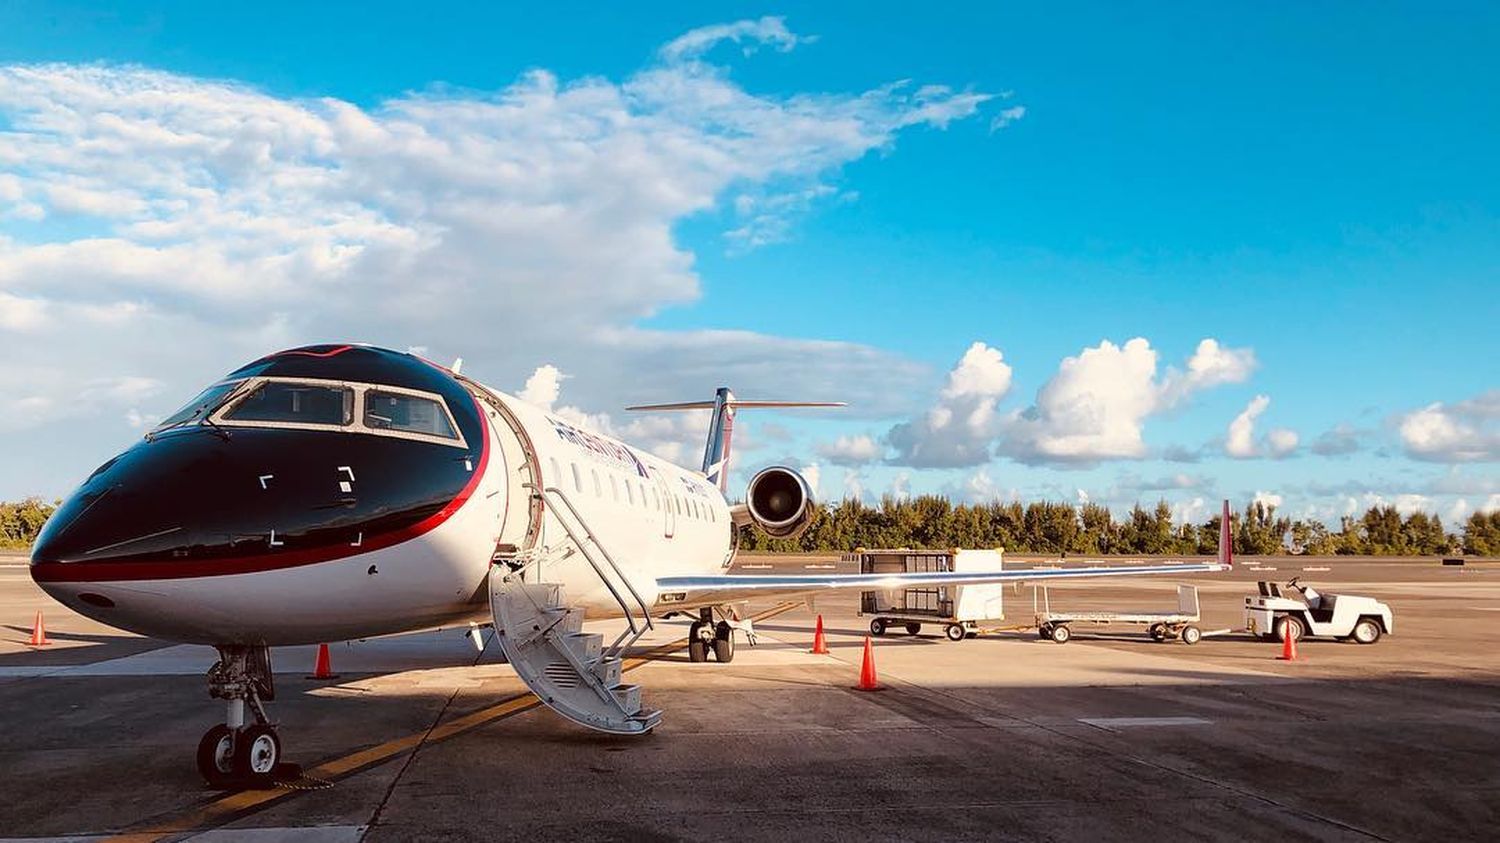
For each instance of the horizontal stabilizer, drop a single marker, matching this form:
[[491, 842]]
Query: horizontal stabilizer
[[735, 402]]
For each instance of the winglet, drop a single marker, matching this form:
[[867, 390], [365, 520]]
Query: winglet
[[1226, 540]]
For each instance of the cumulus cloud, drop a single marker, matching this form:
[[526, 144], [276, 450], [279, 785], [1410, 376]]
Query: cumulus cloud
[[1240, 441], [543, 387], [1269, 499], [1466, 431], [485, 224], [851, 450], [959, 429], [1096, 406]]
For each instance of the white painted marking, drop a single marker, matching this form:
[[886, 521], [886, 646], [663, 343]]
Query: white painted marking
[[1115, 724], [358, 540], [274, 542], [349, 471], [1317, 569], [1262, 568], [468, 465], [264, 478], [756, 567], [345, 486], [821, 567]]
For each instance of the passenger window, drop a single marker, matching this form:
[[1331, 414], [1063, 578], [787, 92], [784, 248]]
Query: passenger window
[[656, 500], [629, 493], [679, 505], [295, 403], [614, 488], [598, 492], [577, 477], [556, 473], [406, 413]]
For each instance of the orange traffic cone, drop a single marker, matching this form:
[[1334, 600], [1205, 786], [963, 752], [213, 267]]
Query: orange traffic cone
[[1288, 644], [39, 632], [867, 680], [323, 669], [820, 644]]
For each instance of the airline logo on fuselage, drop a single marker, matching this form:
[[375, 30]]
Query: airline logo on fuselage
[[599, 446]]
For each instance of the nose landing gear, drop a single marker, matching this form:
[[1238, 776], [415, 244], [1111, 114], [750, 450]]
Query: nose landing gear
[[234, 754]]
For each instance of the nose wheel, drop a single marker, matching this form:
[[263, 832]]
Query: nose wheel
[[236, 754]]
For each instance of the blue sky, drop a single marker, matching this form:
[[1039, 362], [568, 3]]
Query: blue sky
[[1314, 189]]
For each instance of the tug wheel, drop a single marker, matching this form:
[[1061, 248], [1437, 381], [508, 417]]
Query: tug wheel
[[1366, 631]]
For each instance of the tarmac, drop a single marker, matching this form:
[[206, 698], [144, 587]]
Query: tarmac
[[1002, 737]]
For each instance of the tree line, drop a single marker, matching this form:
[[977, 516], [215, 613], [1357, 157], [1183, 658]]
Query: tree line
[[931, 521]]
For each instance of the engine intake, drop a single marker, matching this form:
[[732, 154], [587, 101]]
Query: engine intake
[[779, 502]]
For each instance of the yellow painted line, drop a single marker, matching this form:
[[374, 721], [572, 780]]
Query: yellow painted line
[[220, 811]]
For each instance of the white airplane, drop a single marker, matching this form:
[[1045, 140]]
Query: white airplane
[[335, 492]]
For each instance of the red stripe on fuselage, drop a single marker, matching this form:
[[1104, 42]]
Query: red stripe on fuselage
[[189, 569]]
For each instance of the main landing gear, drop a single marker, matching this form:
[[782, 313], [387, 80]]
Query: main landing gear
[[706, 636], [237, 754]]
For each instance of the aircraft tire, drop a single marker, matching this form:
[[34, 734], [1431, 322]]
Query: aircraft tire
[[723, 643], [216, 753], [257, 753]]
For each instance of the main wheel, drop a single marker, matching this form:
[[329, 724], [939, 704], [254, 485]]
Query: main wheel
[[1158, 632], [913, 628], [697, 647], [1191, 634], [955, 632], [877, 626], [216, 756], [1289, 627], [1367, 631], [257, 752], [723, 643], [1060, 633]]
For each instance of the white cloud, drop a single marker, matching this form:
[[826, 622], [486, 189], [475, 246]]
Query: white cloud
[[1342, 439], [1007, 116], [1281, 442], [543, 387], [767, 30], [486, 225], [813, 474], [850, 450], [958, 430], [1240, 441], [1269, 499], [901, 486], [1096, 406], [1466, 431], [854, 485]]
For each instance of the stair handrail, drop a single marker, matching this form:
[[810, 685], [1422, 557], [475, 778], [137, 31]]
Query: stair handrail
[[553, 491]]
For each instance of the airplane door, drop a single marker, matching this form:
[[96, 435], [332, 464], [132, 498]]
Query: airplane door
[[669, 510]]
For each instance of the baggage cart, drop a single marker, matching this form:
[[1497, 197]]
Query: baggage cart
[[1161, 626], [958, 609]]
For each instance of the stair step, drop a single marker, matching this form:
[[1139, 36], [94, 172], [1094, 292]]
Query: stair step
[[629, 696], [609, 671], [587, 645]]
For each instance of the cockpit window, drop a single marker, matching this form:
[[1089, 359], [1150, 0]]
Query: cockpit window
[[406, 413], [200, 406], [296, 403]]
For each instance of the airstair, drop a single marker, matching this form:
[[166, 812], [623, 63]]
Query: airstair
[[543, 638]]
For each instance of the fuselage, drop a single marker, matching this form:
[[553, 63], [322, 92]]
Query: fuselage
[[343, 491]]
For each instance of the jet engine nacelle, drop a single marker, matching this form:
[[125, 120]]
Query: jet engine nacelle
[[779, 502]]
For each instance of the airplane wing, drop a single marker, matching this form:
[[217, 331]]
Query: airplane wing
[[728, 588]]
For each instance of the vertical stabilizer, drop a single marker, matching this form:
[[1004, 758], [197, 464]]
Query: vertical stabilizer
[[1226, 539], [721, 426]]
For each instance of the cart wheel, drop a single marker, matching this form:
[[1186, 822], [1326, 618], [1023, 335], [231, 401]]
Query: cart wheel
[[1288, 626], [955, 632], [1367, 631], [913, 628], [1060, 633], [1158, 632], [1044, 631], [877, 626], [1191, 634]]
